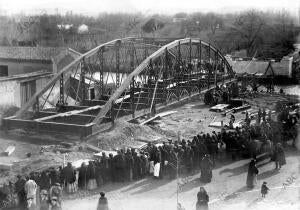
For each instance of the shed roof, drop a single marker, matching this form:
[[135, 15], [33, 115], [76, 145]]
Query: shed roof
[[250, 67]]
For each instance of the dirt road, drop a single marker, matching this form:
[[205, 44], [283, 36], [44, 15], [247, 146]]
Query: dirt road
[[227, 189]]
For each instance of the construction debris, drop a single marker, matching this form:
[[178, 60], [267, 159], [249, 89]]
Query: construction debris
[[241, 108], [9, 150], [219, 107], [157, 116], [93, 148], [5, 166]]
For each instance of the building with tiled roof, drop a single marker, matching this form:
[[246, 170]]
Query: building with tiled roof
[[23, 70], [22, 60]]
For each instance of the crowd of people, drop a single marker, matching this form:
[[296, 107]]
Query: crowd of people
[[165, 160]]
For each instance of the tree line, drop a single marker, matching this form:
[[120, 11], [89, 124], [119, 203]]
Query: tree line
[[260, 34]]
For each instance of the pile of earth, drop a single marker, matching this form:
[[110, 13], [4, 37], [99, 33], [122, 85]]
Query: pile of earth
[[125, 134]]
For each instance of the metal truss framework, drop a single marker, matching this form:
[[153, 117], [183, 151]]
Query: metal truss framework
[[126, 77], [177, 70]]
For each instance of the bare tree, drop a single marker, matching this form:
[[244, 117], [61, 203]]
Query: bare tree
[[248, 27], [152, 25]]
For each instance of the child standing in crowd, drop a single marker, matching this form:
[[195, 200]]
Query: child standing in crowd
[[54, 204], [264, 189]]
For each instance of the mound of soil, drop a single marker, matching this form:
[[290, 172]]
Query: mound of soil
[[124, 134]]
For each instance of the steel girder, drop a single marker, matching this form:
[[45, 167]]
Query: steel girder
[[110, 58], [174, 71]]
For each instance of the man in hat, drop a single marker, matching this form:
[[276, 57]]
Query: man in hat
[[56, 191], [102, 202], [44, 202], [69, 177], [30, 189], [20, 190]]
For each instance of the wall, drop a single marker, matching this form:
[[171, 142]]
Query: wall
[[9, 93], [284, 67], [16, 67], [10, 89]]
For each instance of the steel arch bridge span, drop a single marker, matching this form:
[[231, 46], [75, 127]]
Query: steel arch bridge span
[[177, 70], [103, 67], [127, 78]]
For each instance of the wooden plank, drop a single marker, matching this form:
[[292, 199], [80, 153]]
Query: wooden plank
[[9, 150], [6, 166], [66, 114], [126, 97], [219, 107], [163, 114], [93, 148], [241, 108]]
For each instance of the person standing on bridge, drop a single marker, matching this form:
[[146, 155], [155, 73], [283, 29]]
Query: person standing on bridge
[[202, 199]]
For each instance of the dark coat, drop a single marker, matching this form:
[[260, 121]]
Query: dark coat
[[54, 177], [252, 172], [264, 189], [206, 170], [280, 156], [44, 181], [68, 174], [82, 179], [202, 201], [102, 204], [91, 171], [20, 190]]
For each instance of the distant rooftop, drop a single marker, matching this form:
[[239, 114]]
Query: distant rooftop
[[30, 53]]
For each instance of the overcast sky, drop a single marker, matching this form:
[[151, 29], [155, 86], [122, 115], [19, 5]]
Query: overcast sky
[[93, 7]]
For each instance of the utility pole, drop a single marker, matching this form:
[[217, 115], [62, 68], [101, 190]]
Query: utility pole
[[177, 177]]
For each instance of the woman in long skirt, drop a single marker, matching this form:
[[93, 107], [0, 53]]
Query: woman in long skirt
[[252, 174], [206, 169], [91, 176], [202, 199]]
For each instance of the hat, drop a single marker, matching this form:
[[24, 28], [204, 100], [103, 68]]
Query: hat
[[57, 184], [54, 198], [30, 198], [44, 192], [102, 194], [264, 182]]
